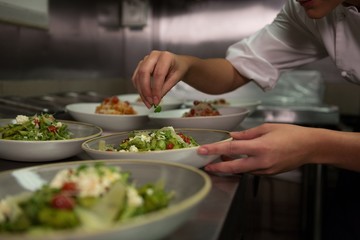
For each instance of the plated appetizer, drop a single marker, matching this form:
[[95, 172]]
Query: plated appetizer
[[201, 109], [165, 138], [113, 105], [86, 197], [41, 127]]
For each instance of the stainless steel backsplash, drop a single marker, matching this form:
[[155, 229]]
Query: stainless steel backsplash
[[86, 39]]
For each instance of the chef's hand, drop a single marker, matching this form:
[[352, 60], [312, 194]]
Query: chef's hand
[[156, 74], [264, 150]]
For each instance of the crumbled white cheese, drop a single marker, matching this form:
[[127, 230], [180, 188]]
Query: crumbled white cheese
[[143, 138], [4, 210], [149, 191], [58, 124], [133, 198], [8, 210], [88, 181], [133, 148], [20, 119]]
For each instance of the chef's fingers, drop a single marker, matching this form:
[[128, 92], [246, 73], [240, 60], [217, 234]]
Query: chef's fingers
[[227, 158], [162, 76], [231, 148], [139, 83], [142, 77], [249, 133], [240, 165]]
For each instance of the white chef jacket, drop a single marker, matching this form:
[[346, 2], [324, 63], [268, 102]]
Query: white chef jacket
[[294, 39]]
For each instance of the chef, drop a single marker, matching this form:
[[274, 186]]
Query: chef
[[303, 32]]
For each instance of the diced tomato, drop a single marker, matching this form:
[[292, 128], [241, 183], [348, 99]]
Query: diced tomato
[[52, 129], [69, 187], [169, 146], [62, 202], [114, 100], [186, 139]]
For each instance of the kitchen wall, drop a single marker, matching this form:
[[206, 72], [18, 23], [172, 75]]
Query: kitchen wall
[[95, 45]]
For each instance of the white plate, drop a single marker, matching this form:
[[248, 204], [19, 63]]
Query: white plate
[[156, 225], [187, 156], [85, 112], [166, 103], [250, 104], [41, 151], [229, 119]]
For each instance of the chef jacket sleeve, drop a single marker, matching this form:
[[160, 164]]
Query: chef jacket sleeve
[[288, 42]]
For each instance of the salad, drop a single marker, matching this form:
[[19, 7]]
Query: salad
[[88, 197], [165, 138], [35, 128]]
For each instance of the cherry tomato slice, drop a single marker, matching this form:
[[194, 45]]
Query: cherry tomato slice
[[62, 202]]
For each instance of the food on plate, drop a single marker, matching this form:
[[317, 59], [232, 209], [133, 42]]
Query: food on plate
[[87, 197], [201, 109], [35, 128], [219, 101], [165, 138], [113, 105]]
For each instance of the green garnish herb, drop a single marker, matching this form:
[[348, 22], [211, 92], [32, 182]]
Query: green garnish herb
[[157, 108]]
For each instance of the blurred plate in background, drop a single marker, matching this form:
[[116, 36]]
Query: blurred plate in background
[[229, 119], [250, 104], [85, 112]]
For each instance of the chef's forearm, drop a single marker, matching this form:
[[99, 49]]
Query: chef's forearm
[[337, 148], [212, 76]]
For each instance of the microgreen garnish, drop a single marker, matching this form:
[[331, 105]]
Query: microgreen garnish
[[157, 108]]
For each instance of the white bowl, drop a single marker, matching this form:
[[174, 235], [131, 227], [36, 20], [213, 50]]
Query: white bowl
[[190, 185], [187, 156], [167, 103], [41, 151], [229, 119], [250, 104], [85, 112]]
